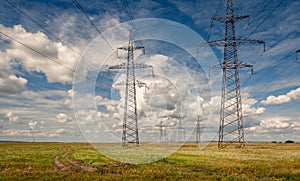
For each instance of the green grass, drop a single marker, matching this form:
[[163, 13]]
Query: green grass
[[258, 161]]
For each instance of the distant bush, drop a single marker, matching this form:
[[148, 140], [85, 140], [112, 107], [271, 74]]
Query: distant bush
[[273, 141], [289, 141]]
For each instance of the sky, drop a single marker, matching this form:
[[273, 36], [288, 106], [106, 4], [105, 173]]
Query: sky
[[55, 84]]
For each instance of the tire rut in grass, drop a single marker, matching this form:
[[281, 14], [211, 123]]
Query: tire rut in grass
[[73, 163], [60, 165]]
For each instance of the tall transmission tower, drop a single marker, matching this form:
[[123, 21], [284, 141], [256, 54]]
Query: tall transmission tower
[[231, 118], [297, 54], [130, 133]]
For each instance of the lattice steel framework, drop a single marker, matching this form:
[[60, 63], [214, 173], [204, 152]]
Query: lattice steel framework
[[130, 133], [198, 130], [179, 131], [231, 118], [161, 131]]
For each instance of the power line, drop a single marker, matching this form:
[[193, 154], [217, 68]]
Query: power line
[[131, 17], [210, 27], [128, 10], [283, 70], [78, 5], [47, 57], [277, 42], [262, 10], [262, 22], [273, 10], [276, 62], [33, 20], [21, 11], [88, 17], [36, 51], [269, 66], [216, 14]]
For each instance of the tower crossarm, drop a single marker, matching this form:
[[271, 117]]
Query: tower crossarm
[[126, 48], [245, 65], [142, 84], [124, 66], [237, 42], [250, 42], [213, 43], [120, 66], [231, 66], [137, 82], [142, 66], [229, 18]]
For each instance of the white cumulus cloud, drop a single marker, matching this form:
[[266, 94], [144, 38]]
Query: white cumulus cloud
[[9, 82], [61, 131], [294, 94], [283, 99], [274, 123], [32, 125], [63, 118], [296, 125], [1, 123], [33, 61], [12, 118]]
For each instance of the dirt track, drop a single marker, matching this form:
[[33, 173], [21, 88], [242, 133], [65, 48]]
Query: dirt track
[[73, 164]]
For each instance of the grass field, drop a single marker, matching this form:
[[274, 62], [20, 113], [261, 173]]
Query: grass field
[[257, 161]]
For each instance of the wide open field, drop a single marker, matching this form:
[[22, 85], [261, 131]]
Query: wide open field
[[79, 161]]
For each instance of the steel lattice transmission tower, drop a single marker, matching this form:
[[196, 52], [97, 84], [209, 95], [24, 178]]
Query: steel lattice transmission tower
[[161, 131], [198, 130], [130, 133], [231, 118], [179, 131]]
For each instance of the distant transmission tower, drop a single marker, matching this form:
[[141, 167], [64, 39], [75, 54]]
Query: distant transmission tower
[[161, 131], [130, 133], [198, 130], [180, 131], [297, 54], [231, 119]]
